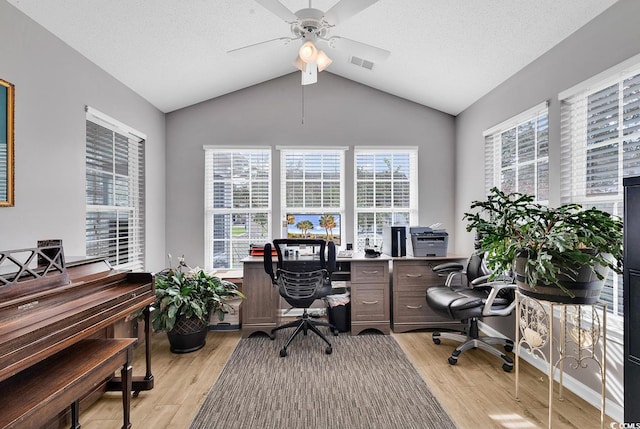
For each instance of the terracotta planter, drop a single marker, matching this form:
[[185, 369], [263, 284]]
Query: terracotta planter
[[586, 286], [188, 335]]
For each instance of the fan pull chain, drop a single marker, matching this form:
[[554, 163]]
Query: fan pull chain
[[302, 86]]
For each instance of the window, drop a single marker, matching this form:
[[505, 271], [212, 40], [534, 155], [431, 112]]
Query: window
[[386, 192], [115, 187], [237, 203], [312, 192], [600, 141], [517, 154]]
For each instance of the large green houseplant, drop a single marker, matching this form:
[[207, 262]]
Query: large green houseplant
[[185, 299], [567, 248]]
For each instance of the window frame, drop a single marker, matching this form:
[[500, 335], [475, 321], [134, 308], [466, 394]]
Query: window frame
[[135, 252], [575, 147], [211, 211], [493, 151], [285, 209], [375, 237]]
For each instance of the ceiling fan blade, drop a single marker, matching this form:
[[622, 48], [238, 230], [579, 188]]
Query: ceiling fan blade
[[345, 9], [253, 47], [278, 9], [359, 49]]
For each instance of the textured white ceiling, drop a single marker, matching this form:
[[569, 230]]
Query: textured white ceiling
[[444, 54]]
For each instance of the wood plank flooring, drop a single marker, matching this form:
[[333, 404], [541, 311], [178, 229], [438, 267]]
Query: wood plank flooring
[[476, 392]]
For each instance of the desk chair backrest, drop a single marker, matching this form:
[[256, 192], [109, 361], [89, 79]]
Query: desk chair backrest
[[303, 269], [476, 267]]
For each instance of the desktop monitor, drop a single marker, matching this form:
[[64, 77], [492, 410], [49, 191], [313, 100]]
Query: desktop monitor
[[325, 226]]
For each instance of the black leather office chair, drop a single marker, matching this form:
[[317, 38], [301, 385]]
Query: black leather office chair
[[303, 274], [476, 299]]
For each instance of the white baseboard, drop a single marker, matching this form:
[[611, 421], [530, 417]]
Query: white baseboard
[[612, 409]]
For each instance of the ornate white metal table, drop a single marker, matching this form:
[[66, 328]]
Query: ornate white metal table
[[581, 331]]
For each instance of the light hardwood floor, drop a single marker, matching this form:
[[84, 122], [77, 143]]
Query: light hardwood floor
[[476, 392]]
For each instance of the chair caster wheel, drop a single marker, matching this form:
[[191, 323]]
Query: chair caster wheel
[[336, 333], [283, 352], [506, 367], [328, 350], [452, 360], [272, 336], [436, 340], [508, 347]]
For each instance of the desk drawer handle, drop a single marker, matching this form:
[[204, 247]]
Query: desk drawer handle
[[370, 272], [370, 302], [414, 275], [414, 307]]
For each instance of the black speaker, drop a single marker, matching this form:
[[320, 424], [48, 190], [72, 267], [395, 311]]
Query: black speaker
[[394, 240]]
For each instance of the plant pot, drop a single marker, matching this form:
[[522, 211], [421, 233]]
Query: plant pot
[[188, 335], [585, 285]]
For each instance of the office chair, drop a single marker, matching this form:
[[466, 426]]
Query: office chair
[[477, 299], [303, 274]]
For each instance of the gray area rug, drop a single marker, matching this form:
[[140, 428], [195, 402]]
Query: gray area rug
[[367, 382]]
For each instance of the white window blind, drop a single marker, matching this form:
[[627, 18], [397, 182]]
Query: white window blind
[[600, 144], [517, 154], [312, 183], [237, 203], [386, 192], [115, 189]]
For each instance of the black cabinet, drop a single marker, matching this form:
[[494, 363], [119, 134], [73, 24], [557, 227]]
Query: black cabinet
[[631, 298]]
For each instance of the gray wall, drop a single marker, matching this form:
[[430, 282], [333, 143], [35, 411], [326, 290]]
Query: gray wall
[[337, 112], [53, 83], [609, 39]]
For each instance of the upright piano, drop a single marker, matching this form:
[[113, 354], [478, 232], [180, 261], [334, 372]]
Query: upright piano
[[56, 335]]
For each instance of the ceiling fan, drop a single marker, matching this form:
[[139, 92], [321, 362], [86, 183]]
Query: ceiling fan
[[313, 26]]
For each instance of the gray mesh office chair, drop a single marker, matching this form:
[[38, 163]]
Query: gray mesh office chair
[[477, 299], [303, 275]]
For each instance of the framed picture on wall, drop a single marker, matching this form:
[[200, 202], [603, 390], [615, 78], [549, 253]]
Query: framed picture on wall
[[6, 143]]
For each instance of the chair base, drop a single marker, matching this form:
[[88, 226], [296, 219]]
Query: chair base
[[304, 324], [472, 340]]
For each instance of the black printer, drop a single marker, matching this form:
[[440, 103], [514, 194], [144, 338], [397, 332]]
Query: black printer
[[426, 241]]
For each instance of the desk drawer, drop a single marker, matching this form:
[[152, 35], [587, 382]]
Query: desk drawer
[[415, 275], [369, 304], [411, 307], [370, 272]]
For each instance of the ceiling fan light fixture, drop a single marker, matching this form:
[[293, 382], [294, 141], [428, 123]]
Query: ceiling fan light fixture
[[308, 52], [323, 61], [299, 64]]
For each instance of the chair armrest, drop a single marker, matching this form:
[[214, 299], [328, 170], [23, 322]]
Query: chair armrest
[[481, 281], [496, 287], [448, 267], [267, 262]]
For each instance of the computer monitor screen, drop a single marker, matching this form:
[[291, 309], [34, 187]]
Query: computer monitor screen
[[325, 226]]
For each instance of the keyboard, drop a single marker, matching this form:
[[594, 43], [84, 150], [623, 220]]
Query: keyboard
[[345, 253]]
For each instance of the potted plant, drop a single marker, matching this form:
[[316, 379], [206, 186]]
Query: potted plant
[[185, 299], [561, 254]]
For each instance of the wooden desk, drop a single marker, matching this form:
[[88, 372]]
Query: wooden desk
[[370, 304]]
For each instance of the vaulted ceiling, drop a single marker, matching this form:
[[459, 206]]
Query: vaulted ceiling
[[444, 54]]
